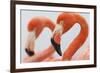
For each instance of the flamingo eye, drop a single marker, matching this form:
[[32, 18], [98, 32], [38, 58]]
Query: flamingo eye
[[61, 22]]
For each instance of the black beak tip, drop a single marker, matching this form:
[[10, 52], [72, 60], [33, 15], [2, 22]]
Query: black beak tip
[[56, 46], [58, 50], [30, 53], [60, 54]]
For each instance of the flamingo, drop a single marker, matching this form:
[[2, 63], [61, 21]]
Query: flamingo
[[35, 27], [66, 20]]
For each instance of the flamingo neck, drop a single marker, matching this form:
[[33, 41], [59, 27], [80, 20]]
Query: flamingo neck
[[79, 40]]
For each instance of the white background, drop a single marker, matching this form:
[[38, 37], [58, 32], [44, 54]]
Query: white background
[[5, 36]]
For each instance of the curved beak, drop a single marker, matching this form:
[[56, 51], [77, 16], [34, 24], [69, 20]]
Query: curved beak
[[57, 46], [30, 43]]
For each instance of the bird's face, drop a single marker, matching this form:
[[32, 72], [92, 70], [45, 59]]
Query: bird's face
[[30, 43], [66, 20]]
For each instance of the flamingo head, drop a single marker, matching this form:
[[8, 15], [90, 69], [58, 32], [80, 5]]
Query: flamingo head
[[66, 20], [32, 24]]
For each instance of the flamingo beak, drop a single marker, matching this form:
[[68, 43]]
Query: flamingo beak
[[57, 46], [30, 44]]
